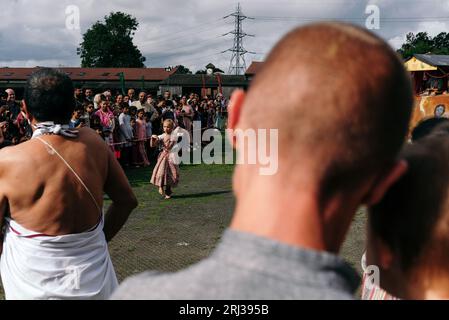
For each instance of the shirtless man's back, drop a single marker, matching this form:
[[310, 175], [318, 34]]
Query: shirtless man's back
[[42, 193], [51, 195]]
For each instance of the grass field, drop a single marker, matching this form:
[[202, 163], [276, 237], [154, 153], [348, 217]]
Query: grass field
[[168, 235]]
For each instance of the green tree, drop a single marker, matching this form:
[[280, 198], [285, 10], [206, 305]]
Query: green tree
[[110, 43], [422, 43], [183, 70], [441, 43]]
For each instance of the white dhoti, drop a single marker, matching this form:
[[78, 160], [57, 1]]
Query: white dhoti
[[73, 266]]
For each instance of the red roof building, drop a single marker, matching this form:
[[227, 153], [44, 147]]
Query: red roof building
[[95, 78]]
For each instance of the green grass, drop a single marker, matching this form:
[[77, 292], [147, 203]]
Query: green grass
[[168, 235]]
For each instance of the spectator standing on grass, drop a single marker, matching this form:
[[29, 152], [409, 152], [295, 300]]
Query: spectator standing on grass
[[118, 102], [143, 103], [131, 93], [219, 119], [168, 99], [187, 115], [97, 101], [107, 122], [88, 113], [149, 133], [126, 100], [88, 96], [288, 226], [75, 121], [126, 134], [141, 136], [13, 106], [79, 96]]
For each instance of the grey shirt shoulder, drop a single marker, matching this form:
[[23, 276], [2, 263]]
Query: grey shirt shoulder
[[249, 267]]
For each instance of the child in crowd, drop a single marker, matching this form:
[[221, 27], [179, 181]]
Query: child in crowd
[[75, 121], [149, 133], [89, 111], [219, 119], [135, 159], [133, 112], [407, 230], [141, 136], [166, 172]]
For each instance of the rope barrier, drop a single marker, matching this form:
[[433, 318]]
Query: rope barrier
[[130, 141]]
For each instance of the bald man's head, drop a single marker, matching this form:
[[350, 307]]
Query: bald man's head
[[339, 96]]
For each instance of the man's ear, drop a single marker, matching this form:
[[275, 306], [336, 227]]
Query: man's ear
[[385, 181], [235, 108], [234, 111]]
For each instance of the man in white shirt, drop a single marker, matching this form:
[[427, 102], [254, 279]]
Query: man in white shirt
[[142, 103]]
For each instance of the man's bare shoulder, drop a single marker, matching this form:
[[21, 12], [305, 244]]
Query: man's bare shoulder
[[13, 153], [14, 158], [90, 136], [29, 150]]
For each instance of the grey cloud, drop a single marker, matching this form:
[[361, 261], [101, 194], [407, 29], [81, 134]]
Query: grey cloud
[[188, 32]]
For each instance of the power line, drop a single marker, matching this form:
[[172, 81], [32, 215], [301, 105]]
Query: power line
[[384, 19], [167, 40], [214, 40], [181, 46], [237, 64], [169, 35]]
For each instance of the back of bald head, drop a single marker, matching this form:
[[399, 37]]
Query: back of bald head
[[338, 94]]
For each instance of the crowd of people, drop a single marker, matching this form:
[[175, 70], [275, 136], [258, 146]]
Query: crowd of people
[[125, 122], [14, 126], [287, 229]]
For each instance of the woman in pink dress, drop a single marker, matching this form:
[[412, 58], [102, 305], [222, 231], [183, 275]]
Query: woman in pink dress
[[166, 172], [107, 122]]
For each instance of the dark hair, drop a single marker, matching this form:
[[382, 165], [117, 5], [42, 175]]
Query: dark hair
[[79, 107], [426, 126], [412, 216], [49, 95]]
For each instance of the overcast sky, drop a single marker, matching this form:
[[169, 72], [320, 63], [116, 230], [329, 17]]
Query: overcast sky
[[189, 32]]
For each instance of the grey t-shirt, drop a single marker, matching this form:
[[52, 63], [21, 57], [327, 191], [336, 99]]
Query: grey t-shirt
[[245, 266]]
